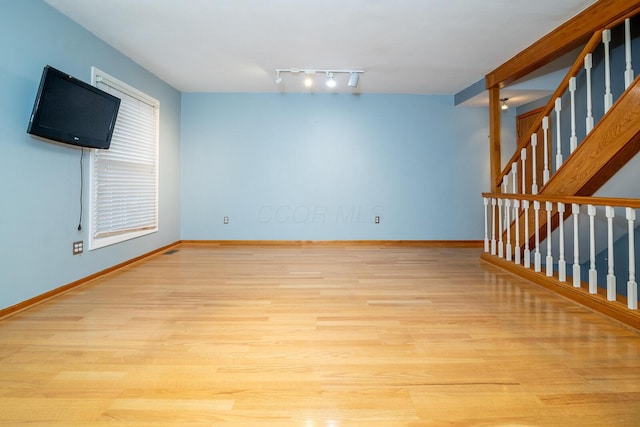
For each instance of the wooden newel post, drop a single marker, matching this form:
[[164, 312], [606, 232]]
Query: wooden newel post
[[494, 137]]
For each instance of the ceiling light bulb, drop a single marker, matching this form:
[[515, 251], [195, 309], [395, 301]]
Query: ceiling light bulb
[[504, 105], [331, 81], [308, 80]]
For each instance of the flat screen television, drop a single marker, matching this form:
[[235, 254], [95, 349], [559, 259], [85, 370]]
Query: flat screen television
[[71, 111]]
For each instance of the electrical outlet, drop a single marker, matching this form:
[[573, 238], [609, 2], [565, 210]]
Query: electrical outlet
[[78, 247], [225, 220], [377, 220]]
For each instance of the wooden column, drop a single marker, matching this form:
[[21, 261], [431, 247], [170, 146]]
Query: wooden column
[[494, 137]]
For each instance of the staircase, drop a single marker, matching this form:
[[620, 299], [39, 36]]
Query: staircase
[[550, 180]]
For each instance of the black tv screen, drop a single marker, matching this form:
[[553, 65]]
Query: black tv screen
[[71, 111]]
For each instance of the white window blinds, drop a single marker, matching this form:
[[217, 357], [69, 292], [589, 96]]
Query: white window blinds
[[124, 183]]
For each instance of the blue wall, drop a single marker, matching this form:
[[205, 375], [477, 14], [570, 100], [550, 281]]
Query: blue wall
[[321, 167], [40, 181]]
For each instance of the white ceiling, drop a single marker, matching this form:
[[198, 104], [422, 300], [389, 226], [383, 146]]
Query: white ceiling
[[404, 46]]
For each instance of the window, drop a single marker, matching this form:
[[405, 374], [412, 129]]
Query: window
[[124, 178]]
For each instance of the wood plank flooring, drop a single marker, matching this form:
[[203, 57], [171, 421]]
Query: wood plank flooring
[[316, 336]]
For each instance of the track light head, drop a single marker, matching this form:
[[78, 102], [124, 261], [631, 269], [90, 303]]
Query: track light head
[[330, 80], [308, 78], [308, 81], [353, 79], [278, 79]]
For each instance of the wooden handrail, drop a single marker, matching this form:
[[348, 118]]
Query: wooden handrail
[[596, 201]]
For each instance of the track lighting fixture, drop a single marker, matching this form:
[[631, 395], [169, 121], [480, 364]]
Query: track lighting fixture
[[354, 76], [504, 105]]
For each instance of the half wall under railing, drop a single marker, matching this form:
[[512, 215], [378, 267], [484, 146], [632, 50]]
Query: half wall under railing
[[616, 295]]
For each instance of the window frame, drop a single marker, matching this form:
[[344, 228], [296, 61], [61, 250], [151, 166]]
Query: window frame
[[100, 241]]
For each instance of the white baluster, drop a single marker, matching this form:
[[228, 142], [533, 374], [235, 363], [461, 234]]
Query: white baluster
[[523, 156], [527, 251], [545, 138], [575, 210], [500, 247], [504, 215], [632, 285], [562, 264], [611, 278], [593, 274], [507, 211], [549, 259], [628, 73], [493, 226], [534, 178], [486, 224], [573, 141], [537, 261], [558, 134], [608, 96], [516, 207], [514, 176], [588, 65]]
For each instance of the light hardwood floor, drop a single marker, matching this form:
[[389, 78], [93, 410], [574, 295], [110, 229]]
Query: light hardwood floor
[[316, 336]]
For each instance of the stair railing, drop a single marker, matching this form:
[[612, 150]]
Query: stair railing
[[533, 160], [568, 213]]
